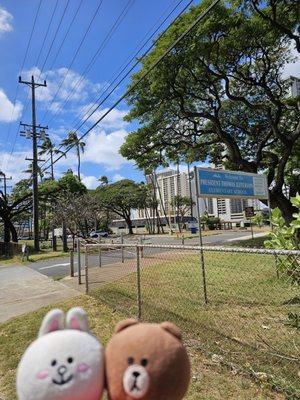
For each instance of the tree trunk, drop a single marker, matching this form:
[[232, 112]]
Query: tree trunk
[[279, 200], [13, 232], [6, 231], [79, 162], [129, 225]]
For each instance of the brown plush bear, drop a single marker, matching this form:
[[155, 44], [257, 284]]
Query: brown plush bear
[[146, 361]]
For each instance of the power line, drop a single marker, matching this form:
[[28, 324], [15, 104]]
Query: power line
[[52, 42], [41, 50], [75, 55], [55, 34], [47, 33], [146, 73], [99, 50], [21, 69], [131, 69], [66, 35], [134, 57]]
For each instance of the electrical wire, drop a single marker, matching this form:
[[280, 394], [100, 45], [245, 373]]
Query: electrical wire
[[55, 35], [128, 61], [143, 76], [98, 52], [74, 57], [66, 35], [17, 88]]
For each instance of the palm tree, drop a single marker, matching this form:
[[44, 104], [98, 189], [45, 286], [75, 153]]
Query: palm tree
[[48, 147], [73, 141], [40, 172]]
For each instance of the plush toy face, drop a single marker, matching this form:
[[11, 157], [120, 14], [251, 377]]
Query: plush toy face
[[146, 361], [62, 364]]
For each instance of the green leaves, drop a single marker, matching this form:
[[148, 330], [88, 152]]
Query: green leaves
[[287, 238]]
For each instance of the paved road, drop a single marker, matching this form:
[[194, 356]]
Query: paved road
[[59, 267]]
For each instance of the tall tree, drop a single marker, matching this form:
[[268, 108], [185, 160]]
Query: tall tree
[[73, 141], [103, 180], [220, 93], [121, 198], [48, 148]]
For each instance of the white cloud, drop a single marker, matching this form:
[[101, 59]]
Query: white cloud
[[113, 120], [62, 84], [5, 21], [8, 111], [14, 165], [91, 182], [102, 148], [294, 67], [117, 177]]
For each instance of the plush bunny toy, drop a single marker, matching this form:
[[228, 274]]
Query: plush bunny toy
[[62, 364]]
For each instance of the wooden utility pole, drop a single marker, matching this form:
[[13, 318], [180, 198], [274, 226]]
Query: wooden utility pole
[[34, 136]]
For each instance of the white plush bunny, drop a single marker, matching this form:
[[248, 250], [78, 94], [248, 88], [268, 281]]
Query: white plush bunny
[[62, 364]]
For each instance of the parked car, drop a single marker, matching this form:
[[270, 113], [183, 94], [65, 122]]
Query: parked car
[[98, 234]]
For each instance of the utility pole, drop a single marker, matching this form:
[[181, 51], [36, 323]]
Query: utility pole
[[34, 136], [5, 179]]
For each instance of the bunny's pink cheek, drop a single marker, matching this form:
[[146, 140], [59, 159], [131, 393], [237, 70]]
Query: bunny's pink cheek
[[82, 367], [42, 374]]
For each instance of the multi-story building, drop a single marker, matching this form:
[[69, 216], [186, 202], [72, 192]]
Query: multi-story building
[[294, 86], [229, 209], [170, 184]]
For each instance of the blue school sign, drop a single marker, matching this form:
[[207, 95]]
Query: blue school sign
[[221, 183]]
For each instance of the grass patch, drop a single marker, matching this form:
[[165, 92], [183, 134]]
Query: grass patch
[[244, 321], [257, 242], [209, 380], [42, 255]]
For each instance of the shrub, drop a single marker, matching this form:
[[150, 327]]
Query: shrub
[[286, 237]]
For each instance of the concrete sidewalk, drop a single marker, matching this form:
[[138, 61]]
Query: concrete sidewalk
[[23, 290]]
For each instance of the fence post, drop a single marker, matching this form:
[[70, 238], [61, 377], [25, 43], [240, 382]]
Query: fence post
[[142, 247], [138, 277], [100, 258], [122, 248], [202, 263], [276, 265], [86, 270], [72, 263], [79, 261]]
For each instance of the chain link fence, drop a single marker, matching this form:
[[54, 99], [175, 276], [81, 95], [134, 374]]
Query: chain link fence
[[240, 306]]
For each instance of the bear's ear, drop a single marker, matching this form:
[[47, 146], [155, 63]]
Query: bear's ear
[[171, 328], [125, 324], [77, 319], [53, 321]]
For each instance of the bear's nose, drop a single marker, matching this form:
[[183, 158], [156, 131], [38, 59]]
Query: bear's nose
[[62, 369], [136, 374]]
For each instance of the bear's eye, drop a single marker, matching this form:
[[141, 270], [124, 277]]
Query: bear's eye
[[130, 360], [70, 360], [144, 362], [53, 362]]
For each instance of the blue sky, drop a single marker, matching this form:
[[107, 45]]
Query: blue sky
[[63, 108]]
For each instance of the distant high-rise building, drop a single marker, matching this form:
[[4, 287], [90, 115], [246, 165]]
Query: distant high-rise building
[[294, 86]]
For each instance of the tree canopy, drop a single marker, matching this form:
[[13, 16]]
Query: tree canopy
[[121, 198], [220, 94]]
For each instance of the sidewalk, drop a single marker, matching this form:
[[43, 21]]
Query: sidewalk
[[23, 290]]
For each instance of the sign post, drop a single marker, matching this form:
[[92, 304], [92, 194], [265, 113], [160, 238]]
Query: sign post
[[226, 184], [200, 236], [249, 213]]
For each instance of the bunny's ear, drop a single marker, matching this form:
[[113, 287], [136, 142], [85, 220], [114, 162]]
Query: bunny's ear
[[77, 319], [53, 321]]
